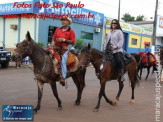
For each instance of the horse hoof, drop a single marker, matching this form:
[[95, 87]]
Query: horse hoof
[[59, 108], [131, 101], [77, 103], [34, 111], [95, 110]]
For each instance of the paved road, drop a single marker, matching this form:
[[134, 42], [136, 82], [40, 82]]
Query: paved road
[[17, 86]]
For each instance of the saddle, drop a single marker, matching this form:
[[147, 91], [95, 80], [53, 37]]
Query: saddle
[[72, 61], [144, 60]]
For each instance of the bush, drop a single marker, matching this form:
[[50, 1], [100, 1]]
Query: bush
[[79, 44], [40, 44]]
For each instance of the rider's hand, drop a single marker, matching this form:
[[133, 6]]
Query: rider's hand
[[114, 47], [60, 39]]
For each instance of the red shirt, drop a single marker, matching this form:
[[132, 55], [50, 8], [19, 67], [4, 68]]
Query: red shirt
[[69, 34]]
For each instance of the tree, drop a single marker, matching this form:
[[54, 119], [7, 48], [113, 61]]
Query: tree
[[140, 18], [128, 18]]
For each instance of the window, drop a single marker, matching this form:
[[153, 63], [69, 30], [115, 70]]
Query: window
[[134, 41], [88, 36]]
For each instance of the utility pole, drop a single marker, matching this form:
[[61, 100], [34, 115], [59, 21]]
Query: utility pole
[[154, 24], [119, 10]]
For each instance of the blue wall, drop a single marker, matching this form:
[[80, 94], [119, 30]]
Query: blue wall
[[77, 27]]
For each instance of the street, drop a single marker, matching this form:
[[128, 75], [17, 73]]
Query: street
[[18, 87]]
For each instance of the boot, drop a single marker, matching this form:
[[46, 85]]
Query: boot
[[121, 73], [62, 80]]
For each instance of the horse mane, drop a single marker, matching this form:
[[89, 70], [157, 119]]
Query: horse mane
[[99, 52]]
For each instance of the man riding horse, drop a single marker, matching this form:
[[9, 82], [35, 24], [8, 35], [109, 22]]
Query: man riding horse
[[147, 51], [62, 37]]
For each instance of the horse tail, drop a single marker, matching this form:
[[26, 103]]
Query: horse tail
[[154, 69], [136, 78]]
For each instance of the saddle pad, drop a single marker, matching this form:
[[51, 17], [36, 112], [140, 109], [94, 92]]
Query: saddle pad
[[71, 58]]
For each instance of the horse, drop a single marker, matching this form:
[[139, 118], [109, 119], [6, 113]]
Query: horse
[[105, 72], [44, 70], [141, 66]]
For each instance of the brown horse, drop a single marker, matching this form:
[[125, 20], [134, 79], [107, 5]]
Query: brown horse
[[105, 72], [44, 70]]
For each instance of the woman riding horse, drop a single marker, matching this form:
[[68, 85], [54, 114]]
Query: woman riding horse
[[115, 36]]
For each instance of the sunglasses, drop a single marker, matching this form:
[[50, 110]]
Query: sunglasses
[[113, 23]]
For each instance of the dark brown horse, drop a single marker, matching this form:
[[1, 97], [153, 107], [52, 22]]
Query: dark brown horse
[[142, 66], [105, 72], [44, 70]]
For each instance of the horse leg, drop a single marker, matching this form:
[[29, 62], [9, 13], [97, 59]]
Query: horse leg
[[76, 81], [140, 73], [107, 100], [133, 88], [102, 93], [40, 92], [148, 71], [81, 80], [54, 89], [121, 85], [133, 78]]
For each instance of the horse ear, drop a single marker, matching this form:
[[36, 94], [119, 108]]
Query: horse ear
[[28, 36], [89, 46]]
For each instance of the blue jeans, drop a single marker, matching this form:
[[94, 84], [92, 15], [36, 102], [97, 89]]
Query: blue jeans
[[64, 64]]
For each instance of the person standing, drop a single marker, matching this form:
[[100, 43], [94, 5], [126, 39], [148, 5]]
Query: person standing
[[63, 36], [115, 36]]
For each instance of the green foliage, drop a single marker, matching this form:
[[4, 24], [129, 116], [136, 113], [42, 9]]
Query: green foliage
[[79, 44], [40, 44], [140, 18], [128, 18]]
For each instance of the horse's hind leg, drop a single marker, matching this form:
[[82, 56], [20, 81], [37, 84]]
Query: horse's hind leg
[[54, 89], [121, 85], [40, 92], [148, 71], [133, 78]]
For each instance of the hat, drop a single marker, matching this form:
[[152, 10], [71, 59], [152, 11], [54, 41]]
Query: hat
[[67, 18], [146, 43]]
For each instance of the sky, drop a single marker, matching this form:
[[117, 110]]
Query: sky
[[110, 7]]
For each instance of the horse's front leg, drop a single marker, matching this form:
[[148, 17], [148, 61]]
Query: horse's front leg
[[121, 85], [54, 89], [102, 93], [76, 81], [40, 85]]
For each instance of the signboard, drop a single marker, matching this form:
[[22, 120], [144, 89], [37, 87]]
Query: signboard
[[147, 31], [9, 9], [56, 7], [159, 26], [62, 9]]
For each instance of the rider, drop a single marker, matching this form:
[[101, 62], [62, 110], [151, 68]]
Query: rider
[[147, 51], [116, 39], [63, 36]]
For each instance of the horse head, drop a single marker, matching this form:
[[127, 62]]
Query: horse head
[[85, 57], [23, 49]]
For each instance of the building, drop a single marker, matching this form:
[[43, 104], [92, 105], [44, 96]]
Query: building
[[159, 31], [13, 30]]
